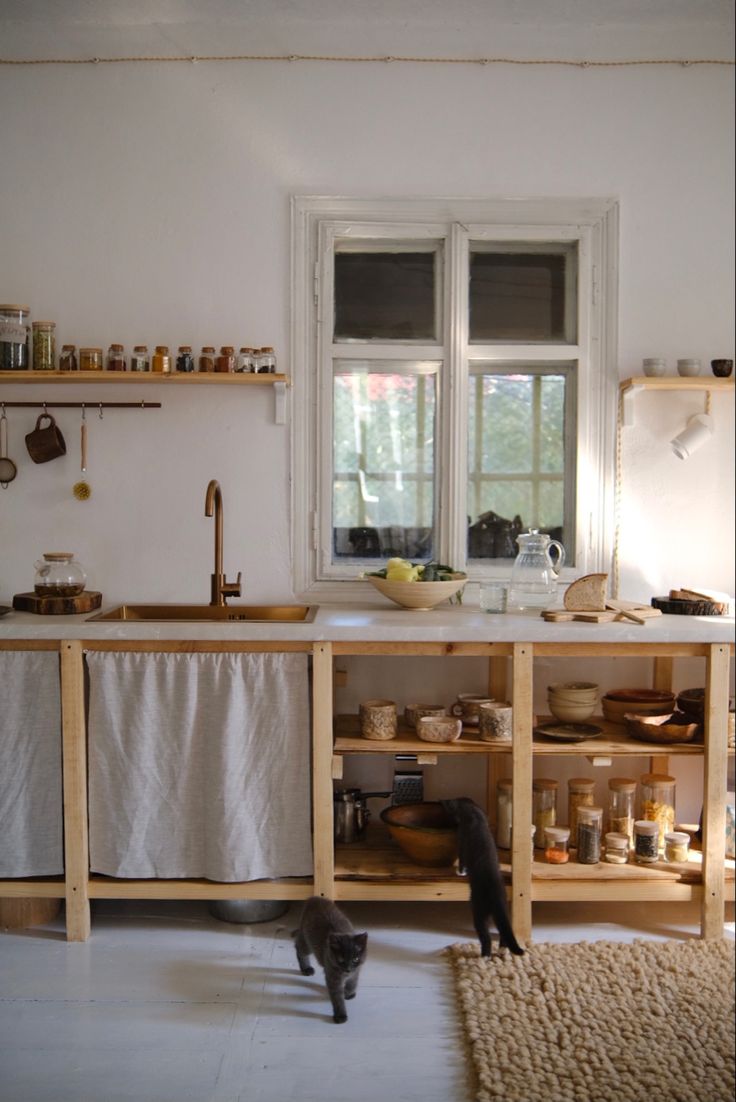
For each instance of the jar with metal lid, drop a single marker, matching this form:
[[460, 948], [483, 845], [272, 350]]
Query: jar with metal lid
[[140, 360], [68, 358], [207, 358], [246, 361], [115, 358], [14, 329], [90, 359], [265, 361], [44, 345], [556, 845], [185, 359], [503, 813], [590, 828], [579, 794], [58, 575], [617, 848], [225, 361], [658, 802], [676, 845], [646, 841], [161, 360], [621, 796], [544, 807]]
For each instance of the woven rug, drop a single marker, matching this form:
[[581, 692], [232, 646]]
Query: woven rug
[[600, 1021]]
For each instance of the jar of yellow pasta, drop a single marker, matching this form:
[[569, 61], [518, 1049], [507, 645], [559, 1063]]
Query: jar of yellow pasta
[[658, 802]]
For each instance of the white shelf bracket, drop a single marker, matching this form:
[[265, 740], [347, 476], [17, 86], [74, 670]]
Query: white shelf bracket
[[279, 394], [628, 416]]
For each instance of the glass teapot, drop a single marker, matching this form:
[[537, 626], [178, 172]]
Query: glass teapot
[[534, 574], [58, 575]]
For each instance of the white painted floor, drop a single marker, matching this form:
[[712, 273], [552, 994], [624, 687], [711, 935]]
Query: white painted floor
[[165, 1003]]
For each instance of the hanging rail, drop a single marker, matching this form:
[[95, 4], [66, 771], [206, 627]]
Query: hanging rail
[[82, 405]]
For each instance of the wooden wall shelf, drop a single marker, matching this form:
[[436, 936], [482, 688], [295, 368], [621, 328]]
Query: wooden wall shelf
[[632, 386]]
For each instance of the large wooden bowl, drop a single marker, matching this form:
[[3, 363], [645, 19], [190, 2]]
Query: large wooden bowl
[[661, 729], [647, 702], [419, 596], [424, 831]]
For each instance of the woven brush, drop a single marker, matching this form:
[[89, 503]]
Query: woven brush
[[82, 489]]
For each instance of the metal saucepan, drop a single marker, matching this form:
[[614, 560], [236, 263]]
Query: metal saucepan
[[8, 469]]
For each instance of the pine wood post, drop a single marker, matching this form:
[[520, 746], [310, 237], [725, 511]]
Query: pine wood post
[[521, 792], [714, 781], [74, 758], [498, 764], [322, 800]]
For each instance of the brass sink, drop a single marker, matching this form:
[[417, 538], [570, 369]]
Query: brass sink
[[254, 614]]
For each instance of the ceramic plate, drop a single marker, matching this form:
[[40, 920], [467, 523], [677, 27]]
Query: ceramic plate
[[4, 609], [569, 732]]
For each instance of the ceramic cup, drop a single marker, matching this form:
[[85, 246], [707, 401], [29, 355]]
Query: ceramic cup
[[494, 721], [414, 712], [466, 707], [45, 443], [654, 365], [378, 719], [688, 367], [721, 368], [439, 728]]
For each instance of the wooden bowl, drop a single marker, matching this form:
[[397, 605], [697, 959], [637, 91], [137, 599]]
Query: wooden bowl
[[648, 702], [424, 831], [419, 596], [662, 729]]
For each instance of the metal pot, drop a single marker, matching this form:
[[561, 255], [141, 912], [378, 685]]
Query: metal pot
[[351, 813], [248, 910]]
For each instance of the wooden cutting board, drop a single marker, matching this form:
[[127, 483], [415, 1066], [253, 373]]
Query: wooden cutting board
[[615, 610], [87, 601]]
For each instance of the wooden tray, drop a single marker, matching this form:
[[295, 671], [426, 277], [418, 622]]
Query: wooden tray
[[57, 606]]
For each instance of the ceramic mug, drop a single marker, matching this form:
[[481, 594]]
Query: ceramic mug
[[466, 706], [378, 719], [414, 712], [495, 721], [436, 728], [45, 443]]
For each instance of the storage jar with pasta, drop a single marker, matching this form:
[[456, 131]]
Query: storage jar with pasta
[[658, 802]]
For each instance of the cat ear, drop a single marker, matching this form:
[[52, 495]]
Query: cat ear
[[361, 940]]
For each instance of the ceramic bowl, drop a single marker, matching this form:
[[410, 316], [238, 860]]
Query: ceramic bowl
[[650, 702], [692, 702], [570, 712], [574, 692], [419, 596], [424, 831], [676, 727], [439, 728]]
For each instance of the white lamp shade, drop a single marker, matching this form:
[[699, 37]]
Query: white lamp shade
[[698, 430]]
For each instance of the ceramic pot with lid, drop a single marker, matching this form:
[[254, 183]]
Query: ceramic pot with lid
[[58, 575]]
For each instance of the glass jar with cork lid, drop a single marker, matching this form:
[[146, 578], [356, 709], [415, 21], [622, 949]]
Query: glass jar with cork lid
[[621, 798], [44, 345], [658, 802], [580, 793], [544, 807]]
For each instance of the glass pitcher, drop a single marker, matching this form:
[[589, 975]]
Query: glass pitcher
[[534, 573]]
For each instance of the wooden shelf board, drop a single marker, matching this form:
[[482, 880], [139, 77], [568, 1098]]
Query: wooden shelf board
[[146, 378], [676, 382], [41, 887], [614, 741], [109, 887]]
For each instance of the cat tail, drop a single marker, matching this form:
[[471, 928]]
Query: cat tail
[[505, 932]]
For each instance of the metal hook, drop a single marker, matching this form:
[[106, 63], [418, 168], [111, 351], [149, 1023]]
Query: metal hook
[[84, 412], [100, 413]]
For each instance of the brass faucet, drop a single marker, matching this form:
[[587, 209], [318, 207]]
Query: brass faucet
[[221, 588]]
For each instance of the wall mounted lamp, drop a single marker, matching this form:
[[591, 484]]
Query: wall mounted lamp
[[697, 432]]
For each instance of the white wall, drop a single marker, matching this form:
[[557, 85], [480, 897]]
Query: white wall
[[150, 203]]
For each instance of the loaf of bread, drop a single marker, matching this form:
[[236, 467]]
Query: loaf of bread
[[587, 594]]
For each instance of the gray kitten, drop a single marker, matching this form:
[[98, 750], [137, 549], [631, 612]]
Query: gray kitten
[[325, 931]]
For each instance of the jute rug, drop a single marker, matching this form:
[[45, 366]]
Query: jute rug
[[600, 1021]]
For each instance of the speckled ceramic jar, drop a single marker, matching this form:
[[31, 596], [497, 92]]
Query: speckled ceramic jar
[[378, 719]]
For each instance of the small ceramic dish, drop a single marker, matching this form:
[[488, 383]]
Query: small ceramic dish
[[568, 732]]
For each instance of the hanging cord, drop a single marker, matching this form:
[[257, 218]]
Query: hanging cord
[[372, 59], [617, 494]]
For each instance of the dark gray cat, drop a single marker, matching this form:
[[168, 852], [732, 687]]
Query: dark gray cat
[[325, 931], [479, 858]]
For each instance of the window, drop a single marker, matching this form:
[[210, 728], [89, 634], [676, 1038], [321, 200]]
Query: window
[[454, 383]]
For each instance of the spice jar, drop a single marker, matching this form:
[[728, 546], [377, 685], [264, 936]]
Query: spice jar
[[44, 345], [658, 802], [579, 794], [556, 842], [207, 358], [68, 358], [161, 360], [646, 841], [590, 827], [617, 848], [226, 359], [185, 360], [544, 807], [621, 794], [676, 845], [265, 361], [140, 361], [503, 813], [90, 359], [246, 361], [115, 358], [14, 329]]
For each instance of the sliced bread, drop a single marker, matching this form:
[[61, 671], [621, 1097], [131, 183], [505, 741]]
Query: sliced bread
[[587, 594]]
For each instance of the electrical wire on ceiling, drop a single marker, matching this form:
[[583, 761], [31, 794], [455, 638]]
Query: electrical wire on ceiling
[[372, 59]]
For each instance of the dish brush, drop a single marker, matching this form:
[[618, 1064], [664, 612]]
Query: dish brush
[[82, 489]]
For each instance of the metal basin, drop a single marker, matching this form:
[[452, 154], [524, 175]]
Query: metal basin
[[254, 614]]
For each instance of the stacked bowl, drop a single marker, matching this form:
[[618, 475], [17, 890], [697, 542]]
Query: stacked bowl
[[617, 703], [572, 701]]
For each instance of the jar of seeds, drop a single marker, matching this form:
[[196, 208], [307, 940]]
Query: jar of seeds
[[590, 825], [140, 360], [44, 345], [646, 835], [14, 329], [579, 794], [621, 796], [68, 358]]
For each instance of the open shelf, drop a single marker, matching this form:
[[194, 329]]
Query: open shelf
[[146, 378]]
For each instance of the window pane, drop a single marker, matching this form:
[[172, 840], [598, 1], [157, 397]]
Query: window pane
[[522, 295], [516, 452], [383, 465], [385, 296]]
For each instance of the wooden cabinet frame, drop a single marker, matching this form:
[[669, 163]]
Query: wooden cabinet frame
[[609, 883]]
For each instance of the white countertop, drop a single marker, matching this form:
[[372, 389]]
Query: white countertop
[[373, 623]]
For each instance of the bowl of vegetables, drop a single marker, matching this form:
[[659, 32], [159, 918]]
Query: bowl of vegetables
[[418, 586]]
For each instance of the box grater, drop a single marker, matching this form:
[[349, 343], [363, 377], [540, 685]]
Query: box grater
[[408, 786]]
